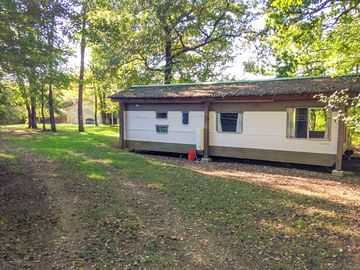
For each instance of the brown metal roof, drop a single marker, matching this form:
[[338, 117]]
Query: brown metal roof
[[272, 87]]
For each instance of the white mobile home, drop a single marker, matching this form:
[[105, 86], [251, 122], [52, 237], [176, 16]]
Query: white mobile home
[[277, 119]]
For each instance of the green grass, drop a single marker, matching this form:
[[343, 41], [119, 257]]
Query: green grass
[[268, 228]]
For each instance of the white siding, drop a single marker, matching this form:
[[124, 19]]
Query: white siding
[[267, 130], [140, 126], [88, 112], [261, 130]]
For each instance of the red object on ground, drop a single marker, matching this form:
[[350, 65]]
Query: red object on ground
[[192, 154]]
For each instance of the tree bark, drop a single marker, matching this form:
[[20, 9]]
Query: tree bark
[[51, 98], [96, 107], [29, 114], [42, 108], [103, 108], [51, 109], [33, 111], [81, 76], [168, 57]]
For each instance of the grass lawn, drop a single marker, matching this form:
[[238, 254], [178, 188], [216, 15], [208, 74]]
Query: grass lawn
[[262, 227]]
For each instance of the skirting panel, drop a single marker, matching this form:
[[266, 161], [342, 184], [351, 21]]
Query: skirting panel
[[274, 155], [247, 153], [159, 146]]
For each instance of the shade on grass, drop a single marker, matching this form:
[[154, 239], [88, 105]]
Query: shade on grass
[[267, 228]]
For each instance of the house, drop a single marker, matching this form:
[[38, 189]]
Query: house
[[278, 119], [71, 112]]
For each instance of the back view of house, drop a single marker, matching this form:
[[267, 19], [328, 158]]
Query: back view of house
[[278, 119]]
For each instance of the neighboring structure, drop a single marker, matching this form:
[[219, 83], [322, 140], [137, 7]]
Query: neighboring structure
[[277, 119], [71, 112]]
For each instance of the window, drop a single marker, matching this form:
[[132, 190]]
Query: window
[[185, 118], [162, 115], [229, 122], [163, 129], [312, 123]]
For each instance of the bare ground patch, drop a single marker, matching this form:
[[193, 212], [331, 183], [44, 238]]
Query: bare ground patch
[[310, 183]]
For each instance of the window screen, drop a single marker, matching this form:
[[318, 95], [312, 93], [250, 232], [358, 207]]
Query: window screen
[[229, 122], [308, 123], [161, 115], [162, 129], [185, 118]]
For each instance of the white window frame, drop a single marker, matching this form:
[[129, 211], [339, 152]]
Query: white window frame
[[328, 125], [239, 125]]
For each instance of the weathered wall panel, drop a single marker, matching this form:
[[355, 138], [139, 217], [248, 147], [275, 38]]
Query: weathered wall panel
[[267, 130]]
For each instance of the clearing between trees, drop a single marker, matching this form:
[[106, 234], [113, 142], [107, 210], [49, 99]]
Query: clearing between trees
[[71, 200]]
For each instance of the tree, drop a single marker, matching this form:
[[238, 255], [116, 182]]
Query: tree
[[82, 67], [32, 49], [308, 38], [182, 40], [348, 108]]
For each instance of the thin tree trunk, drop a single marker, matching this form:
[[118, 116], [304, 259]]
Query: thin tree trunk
[[51, 109], [81, 76], [29, 114], [42, 107], [103, 108], [168, 57], [104, 118], [50, 30], [33, 112], [96, 107]]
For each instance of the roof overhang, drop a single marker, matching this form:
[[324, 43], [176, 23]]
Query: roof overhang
[[268, 98], [298, 88]]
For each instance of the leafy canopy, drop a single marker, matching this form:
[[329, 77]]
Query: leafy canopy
[[182, 40]]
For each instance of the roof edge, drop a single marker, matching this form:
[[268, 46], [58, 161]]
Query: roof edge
[[248, 81]]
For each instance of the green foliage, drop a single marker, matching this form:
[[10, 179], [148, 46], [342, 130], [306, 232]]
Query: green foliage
[[355, 140], [33, 50], [309, 38], [168, 40], [348, 108], [10, 111]]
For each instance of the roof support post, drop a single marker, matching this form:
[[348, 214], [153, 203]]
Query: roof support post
[[340, 142], [206, 129], [121, 125]]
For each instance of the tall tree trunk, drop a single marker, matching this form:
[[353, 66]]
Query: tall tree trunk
[[42, 107], [33, 111], [168, 57], [50, 30], [28, 109], [51, 108], [33, 93], [96, 107], [103, 108], [81, 76]]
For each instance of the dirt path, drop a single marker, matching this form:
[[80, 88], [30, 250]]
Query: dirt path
[[40, 225], [50, 220]]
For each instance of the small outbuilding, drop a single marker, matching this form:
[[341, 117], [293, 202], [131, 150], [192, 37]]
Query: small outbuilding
[[278, 119]]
